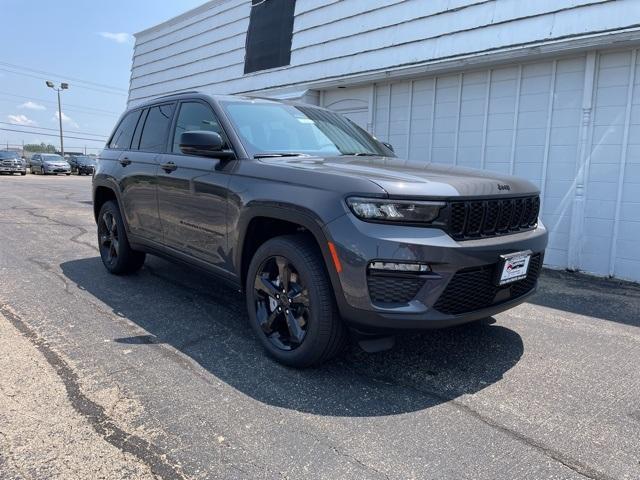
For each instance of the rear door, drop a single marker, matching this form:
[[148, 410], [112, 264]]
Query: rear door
[[192, 190], [138, 165]]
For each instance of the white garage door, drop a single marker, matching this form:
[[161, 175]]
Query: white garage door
[[527, 120]]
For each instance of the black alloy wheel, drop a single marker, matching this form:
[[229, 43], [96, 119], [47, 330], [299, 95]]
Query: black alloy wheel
[[291, 304], [281, 303], [108, 235], [117, 255]]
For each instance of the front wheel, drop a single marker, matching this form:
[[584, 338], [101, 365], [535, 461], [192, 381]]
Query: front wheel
[[117, 255], [290, 302]]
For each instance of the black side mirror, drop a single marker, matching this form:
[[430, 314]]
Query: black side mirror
[[205, 144], [389, 146]]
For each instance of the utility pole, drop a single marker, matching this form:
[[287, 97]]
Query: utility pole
[[63, 86]]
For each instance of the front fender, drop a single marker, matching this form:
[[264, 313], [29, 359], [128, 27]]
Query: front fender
[[290, 213]]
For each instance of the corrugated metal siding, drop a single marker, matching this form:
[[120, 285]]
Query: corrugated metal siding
[[332, 39], [611, 243], [521, 119]]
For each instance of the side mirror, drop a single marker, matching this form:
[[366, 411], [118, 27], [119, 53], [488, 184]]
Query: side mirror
[[205, 144], [389, 146]]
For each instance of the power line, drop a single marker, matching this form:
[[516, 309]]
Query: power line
[[51, 102], [66, 77], [51, 135], [77, 86], [55, 129]]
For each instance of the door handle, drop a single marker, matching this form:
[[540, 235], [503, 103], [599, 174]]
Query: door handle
[[125, 161], [168, 167]]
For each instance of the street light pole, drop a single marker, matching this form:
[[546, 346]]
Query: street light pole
[[60, 123], [63, 86]]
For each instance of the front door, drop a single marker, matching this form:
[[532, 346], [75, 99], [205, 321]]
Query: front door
[[192, 190]]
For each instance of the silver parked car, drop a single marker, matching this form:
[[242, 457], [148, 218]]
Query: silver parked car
[[11, 162], [49, 163]]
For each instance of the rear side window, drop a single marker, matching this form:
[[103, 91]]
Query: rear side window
[[195, 116], [122, 137], [154, 133]]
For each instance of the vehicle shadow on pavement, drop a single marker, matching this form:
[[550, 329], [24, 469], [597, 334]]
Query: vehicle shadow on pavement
[[207, 322], [605, 298]]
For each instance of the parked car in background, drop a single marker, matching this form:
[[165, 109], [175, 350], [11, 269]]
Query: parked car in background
[[11, 162], [82, 164], [323, 226], [49, 164]]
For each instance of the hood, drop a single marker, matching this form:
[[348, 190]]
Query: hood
[[399, 177]]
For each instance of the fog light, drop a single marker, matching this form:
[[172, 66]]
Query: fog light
[[399, 267]]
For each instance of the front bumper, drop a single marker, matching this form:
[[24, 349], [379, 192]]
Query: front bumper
[[57, 169], [12, 169], [358, 243]]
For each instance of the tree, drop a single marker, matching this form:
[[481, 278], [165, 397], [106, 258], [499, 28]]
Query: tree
[[42, 148]]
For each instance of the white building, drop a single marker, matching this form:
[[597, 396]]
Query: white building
[[545, 89]]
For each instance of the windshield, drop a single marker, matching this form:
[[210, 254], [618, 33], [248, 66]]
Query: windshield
[[280, 128], [52, 158], [6, 154]]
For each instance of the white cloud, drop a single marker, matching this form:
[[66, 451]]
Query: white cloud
[[32, 106], [116, 37], [21, 120], [66, 120]]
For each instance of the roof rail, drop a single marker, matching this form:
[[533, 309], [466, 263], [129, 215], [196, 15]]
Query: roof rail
[[175, 93]]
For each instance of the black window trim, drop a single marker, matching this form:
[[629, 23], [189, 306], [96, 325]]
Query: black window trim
[[169, 146], [169, 124], [142, 118]]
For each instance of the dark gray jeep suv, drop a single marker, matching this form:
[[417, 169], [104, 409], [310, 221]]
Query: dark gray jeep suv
[[323, 227]]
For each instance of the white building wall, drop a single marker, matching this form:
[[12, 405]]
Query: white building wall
[[527, 119], [204, 49], [524, 87]]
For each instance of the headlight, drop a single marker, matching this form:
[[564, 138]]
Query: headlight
[[401, 211]]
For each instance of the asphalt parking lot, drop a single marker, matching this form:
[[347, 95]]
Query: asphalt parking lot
[[157, 374]]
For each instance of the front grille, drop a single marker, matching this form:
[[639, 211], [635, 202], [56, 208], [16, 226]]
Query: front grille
[[471, 219], [388, 289], [474, 288]]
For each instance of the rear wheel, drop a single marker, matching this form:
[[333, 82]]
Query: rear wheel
[[117, 255], [290, 302]]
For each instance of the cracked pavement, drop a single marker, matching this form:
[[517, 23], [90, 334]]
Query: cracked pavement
[[158, 375]]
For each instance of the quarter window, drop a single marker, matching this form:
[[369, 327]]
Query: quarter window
[[122, 137], [154, 133], [195, 116]]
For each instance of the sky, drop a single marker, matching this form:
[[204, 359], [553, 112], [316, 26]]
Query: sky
[[87, 44]]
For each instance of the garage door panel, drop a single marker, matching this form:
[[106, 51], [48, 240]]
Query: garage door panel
[[527, 120]]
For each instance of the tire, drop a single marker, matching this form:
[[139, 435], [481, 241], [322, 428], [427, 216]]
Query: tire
[[324, 333], [67, 174], [23, 173], [117, 255]]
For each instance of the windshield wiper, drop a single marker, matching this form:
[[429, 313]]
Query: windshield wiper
[[278, 154], [360, 154]]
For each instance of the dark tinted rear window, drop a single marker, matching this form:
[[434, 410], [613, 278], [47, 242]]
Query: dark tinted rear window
[[6, 154], [122, 137], [156, 126]]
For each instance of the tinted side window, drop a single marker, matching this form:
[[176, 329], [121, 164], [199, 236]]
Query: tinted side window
[[154, 133], [122, 137], [195, 116]]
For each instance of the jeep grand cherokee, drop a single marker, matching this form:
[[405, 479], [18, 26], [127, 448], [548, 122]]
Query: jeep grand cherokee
[[322, 226]]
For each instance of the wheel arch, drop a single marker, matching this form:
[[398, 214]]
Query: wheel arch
[[284, 219]]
